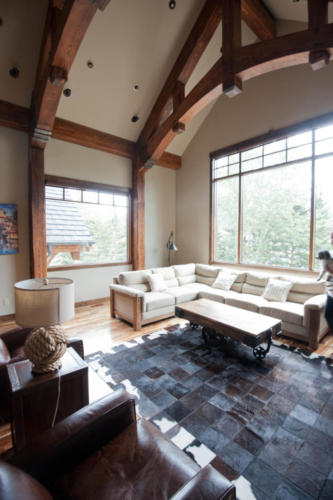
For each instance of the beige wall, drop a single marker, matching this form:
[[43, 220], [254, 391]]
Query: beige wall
[[160, 213], [14, 190], [271, 101]]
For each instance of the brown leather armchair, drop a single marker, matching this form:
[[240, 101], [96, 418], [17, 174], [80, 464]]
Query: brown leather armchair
[[12, 350], [102, 451]]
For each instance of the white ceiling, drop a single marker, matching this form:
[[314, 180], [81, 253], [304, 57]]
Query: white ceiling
[[131, 42]]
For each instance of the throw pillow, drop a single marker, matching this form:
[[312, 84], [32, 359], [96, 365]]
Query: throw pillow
[[224, 281], [156, 282], [277, 290]]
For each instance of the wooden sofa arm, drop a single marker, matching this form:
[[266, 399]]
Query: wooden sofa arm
[[127, 303]]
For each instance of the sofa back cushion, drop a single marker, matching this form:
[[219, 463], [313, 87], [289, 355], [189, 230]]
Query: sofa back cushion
[[135, 279], [206, 274], [185, 274], [238, 283], [184, 270], [168, 274], [303, 289], [255, 283]]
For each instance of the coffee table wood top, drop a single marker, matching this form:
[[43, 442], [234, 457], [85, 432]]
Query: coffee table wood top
[[206, 312]]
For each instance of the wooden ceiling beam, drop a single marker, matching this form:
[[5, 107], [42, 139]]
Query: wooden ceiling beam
[[169, 160], [201, 34], [318, 17], [63, 34], [259, 19], [14, 116], [231, 40], [249, 61], [68, 131], [18, 118]]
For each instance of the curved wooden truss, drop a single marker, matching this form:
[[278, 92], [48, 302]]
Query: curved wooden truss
[[238, 64]]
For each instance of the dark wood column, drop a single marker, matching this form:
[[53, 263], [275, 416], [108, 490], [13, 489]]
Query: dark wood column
[[138, 215], [38, 257]]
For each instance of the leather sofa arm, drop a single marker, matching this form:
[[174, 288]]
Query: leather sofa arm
[[77, 344], [76, 437], [208, 484], [15, 338]]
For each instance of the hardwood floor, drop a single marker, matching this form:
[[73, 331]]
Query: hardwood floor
[[98, 331]]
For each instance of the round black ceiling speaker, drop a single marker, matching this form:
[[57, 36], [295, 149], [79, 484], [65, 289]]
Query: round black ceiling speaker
[[172, 4], [67, 92]]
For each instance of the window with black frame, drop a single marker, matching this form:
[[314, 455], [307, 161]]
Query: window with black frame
[[272, 203], [86, 226]]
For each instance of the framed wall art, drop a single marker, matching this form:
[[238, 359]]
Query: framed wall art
[[8, 229]]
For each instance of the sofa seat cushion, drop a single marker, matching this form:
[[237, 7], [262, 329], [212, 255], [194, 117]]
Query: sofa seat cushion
[[286, 311], [126, 468], [217, 295], [156, 300], [246, 301], [182, 294], [198, 287]]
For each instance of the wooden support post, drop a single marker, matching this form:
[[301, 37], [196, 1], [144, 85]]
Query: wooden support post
[[317, 18], [138, 215], [38, 252], [231, 40]]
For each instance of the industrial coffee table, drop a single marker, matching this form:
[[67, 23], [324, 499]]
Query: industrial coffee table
[[222, 322]]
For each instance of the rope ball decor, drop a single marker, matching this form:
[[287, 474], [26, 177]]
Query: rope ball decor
[[45, 347]]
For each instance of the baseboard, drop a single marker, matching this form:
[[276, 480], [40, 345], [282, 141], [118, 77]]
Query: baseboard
[[93, 302], [7, 317]]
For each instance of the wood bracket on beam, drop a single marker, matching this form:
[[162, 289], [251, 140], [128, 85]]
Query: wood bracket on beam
[[178, 128], [58, 76], [40, 137], [318, 59], [232, 86]]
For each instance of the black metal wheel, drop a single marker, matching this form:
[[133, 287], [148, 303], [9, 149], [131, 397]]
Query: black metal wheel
[[259, 352], [194, 326]]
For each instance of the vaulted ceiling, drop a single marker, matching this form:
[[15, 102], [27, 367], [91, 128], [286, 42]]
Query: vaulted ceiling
[[132, 42]]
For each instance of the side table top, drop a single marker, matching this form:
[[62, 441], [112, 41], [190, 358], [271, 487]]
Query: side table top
[[22, 378]]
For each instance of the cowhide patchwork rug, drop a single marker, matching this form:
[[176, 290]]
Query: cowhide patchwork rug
[[265, 425]]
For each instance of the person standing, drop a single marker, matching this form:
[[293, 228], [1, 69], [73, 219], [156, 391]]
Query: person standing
[[329, 301]]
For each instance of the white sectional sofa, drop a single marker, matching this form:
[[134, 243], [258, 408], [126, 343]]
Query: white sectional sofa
[[302, 313]]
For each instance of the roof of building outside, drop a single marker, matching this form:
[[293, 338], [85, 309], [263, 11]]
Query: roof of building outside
[[65, 225]]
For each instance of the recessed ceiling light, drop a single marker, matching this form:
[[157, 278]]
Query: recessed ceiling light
[[136, 87], [67, 92], [90, 64], [172, 4], [135, 118], [14, 72]]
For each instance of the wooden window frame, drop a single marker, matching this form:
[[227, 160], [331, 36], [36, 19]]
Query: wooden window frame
[[261, 140], [65, 182]]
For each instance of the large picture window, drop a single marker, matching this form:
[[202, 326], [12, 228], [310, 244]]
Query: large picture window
[[272, 200], [86, 224]]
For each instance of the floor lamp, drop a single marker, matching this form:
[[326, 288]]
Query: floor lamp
[[171, 246]]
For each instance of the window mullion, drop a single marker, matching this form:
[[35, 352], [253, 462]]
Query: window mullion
[[312, 216]]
